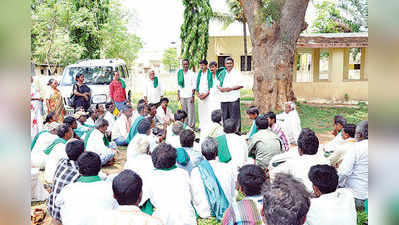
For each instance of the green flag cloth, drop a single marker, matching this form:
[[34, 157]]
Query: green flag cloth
[[155, 83], [35, 139], [105, 140], [147, 208], [88, 125], [223, 149], [48, 150], [89, 179], [170, 168], [133, 129], [217, 200], [123, 83], [253, 130], [180, 78], [182, 156], [221, 74], [209, 78]]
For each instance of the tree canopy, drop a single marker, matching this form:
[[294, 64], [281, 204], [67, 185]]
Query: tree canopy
[[64, 31]]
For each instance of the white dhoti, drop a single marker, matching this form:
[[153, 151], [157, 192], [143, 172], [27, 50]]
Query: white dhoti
[[204, 117], [39, 193]]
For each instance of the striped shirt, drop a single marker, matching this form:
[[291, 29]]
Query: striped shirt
[[280, 133], [245, 212]]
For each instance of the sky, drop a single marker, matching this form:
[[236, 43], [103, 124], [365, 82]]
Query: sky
[[157, 23]]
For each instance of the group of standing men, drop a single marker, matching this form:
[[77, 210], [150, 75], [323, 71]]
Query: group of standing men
[[216, 88]]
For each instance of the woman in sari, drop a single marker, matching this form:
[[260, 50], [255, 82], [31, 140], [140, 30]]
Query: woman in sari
[[54, 101]]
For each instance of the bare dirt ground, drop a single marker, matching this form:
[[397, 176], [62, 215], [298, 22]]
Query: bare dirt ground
[[119, 165]]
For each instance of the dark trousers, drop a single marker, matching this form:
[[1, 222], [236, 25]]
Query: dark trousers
[[231, 110]]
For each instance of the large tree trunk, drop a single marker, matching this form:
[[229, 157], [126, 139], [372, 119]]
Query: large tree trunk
[[273, 52], [244, 27]]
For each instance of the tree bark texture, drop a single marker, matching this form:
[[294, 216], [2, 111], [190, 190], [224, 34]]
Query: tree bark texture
[[273, 51]]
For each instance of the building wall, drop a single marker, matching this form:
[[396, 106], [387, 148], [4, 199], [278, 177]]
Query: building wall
[[228, 46], [333, 89]]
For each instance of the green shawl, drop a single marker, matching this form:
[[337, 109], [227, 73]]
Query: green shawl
[[147, 208], [217, 200], [209, 78], [123, 83], [182, 156], [106, 142], [155, 82], [88, 179], [221, 74], [50, 148], [253, 130], [180, 78], [35, 138], [223, 149], [133, 129]]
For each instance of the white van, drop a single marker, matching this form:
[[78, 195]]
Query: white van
[[98, 75]]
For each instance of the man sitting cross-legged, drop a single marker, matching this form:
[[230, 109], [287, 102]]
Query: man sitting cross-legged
[[96, 141], [348, 135], [264, 144], [170, 188], [212, 183], [127, 189], [56, 151], [174, 138], [339, 122], [329, 199], [67, 172], [41, 141], [354, 170], [271, 119], [216, 128], [83, 201], [120, 130], [188, 157], [141, 109], [285, 201], [179, 117], [232, 148], [251, 179], [143, 131], [299, 166]]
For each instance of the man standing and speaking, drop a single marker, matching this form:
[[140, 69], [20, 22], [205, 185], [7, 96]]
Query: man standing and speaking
[[230, 84], [186, 81]]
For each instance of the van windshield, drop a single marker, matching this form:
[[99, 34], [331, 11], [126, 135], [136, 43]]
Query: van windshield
[[93, 75]]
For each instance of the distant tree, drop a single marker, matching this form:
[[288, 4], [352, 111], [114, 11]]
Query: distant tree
[[194, 31], [345, 16], [170, 59], [236, 13]]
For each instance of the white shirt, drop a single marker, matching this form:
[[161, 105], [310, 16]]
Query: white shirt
[[203, 85], [54, 157], [225, 175], [131, 153], [143, 166], [232, 79], [121, 127], [110, 118], [238, 150], [38, 157], [174, 140], [332, 209], [90, 121], [96, 144], [171, 196], [127, 215], [354, 170], [299, 168], [190, 80], [153, 94], [162, 116], [291, 125], [82, 203], [340, 150]]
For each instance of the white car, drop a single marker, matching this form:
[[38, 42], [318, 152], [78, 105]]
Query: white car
[[98, 75]]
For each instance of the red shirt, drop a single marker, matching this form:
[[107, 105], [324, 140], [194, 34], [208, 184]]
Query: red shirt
[[116, 92]]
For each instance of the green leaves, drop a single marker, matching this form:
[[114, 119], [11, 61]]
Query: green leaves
[[65, 31], [194, 30]]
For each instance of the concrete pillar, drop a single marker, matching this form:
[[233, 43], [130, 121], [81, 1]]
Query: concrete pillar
[[337, 70], [316, 64]]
